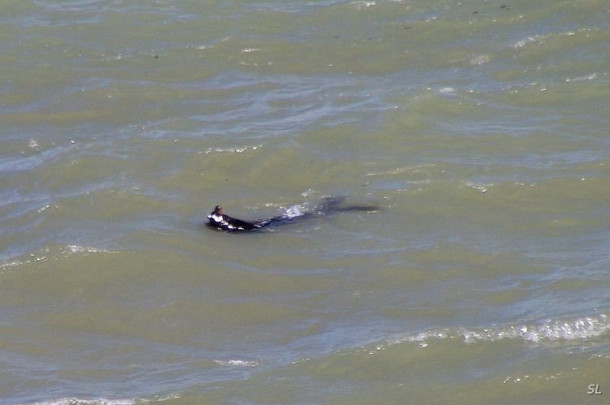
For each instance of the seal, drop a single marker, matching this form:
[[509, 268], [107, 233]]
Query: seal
[[218, 219], [223, 222]]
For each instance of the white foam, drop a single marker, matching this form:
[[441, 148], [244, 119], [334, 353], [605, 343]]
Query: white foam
[[236, 363], [447, 90], [294, 211], [363, 4], [33, 144], [45, 253], [243, 149], [541, 39], [478, 60], [545, 331], [104, 401], [101, 401], [529, 40], [479, 187], [13, 263], [74, 249]]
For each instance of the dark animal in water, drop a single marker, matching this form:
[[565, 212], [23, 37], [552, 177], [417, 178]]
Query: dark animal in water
[[219, 220]]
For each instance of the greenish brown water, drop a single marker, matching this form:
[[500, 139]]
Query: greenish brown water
[[481, 129]]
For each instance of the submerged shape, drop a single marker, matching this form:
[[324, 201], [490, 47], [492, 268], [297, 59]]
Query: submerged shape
[[219, 220]]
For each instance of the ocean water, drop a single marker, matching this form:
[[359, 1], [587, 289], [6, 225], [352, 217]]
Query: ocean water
[[479, 127]]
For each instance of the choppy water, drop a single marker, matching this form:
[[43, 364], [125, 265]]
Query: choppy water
[[481, 128]]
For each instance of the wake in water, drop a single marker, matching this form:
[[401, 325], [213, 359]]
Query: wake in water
[[221, 221]]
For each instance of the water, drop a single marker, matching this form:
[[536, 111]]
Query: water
[[480, 128]]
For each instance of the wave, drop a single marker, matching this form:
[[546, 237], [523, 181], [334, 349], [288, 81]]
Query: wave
[[50, 252], [74, 249], [541, 39], [237, 363], [548, 330], [100, 401], [104, 401]]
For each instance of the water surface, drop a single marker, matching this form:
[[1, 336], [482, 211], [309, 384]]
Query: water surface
[[480, 128]]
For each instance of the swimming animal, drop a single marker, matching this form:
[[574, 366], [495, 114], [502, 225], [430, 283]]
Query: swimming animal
[[221, 221]]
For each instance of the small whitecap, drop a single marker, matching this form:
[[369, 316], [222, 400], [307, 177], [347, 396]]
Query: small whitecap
[[363, 4], [76, 249], [99, 401], [447, 90], [236, 363], [535, 39], [43, 208], [11, 264], [242, 149], [308, 193], [479, 187], [545, 331], [294, 211], [33, 144], [592, 76], [478, 60]]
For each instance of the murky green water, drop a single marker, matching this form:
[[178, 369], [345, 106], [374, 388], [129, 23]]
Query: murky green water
[[480, 128]]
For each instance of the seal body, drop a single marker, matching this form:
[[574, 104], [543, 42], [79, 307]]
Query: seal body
[[218, 219], [221, 221]]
